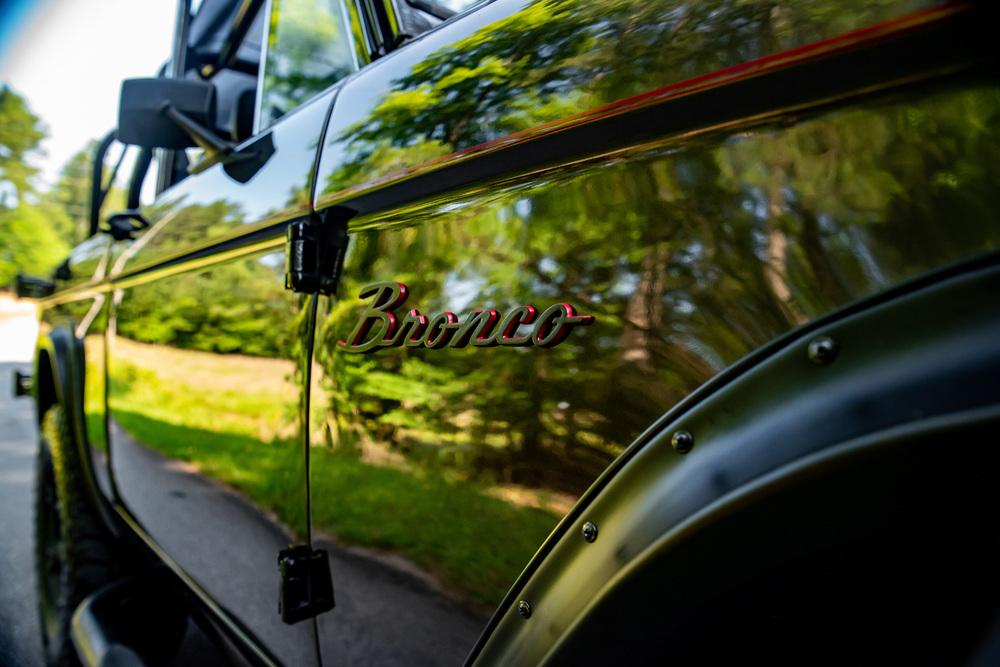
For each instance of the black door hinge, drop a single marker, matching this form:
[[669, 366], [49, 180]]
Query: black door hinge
[[314, 255], [306, 585]]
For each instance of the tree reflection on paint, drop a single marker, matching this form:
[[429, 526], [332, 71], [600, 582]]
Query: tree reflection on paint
[[555, 58], [689, 257]]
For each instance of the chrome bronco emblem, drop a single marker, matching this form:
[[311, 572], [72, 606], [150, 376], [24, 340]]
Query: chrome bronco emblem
[[380, 327]]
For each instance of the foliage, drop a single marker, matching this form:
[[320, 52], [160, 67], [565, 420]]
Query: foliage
[[554, 58], [20, 134], [32, 237], [28, 242], [38, 229], [194, 412], [308, 49], [690, 257], [231, 307], [72, 192]]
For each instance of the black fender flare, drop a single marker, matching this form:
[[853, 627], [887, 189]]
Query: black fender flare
[[59, 369], [924, 351]]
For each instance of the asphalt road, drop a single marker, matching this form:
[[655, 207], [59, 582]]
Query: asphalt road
[[20, 643], [19, 638]]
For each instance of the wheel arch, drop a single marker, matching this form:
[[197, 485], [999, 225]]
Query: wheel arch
[[925, 350]]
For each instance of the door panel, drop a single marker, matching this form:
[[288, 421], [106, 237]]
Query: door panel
[[441, 465], [205, 378], [205, 397]]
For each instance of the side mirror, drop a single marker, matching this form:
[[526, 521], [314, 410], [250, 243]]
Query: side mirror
[[148, 110], [29, 287]]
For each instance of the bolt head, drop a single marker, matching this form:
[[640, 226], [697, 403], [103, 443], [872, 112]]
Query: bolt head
[[524, 609], [590, 531], [822, 350], [682, 442]]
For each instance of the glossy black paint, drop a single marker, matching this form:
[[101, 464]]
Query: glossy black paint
[[482, 166], [894, 437], [513, 71], [688, 256], [197, 425], [198, 390]]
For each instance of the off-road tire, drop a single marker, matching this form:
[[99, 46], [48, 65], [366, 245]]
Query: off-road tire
[[73, 555]]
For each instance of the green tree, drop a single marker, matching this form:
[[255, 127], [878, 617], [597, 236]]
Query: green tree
[[28, 241], [32, 234], [20, 134], [72, 192], [555, 58]]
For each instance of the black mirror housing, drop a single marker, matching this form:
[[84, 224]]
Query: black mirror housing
[[142, 120], [29, 287]]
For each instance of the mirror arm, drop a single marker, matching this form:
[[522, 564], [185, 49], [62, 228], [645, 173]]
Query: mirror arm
[[200, 134], [29, 287], [216, 149]]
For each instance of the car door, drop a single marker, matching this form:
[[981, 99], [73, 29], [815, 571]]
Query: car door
[[542, 262], [207, 348]]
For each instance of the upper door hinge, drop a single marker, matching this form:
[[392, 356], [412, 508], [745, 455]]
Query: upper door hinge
[[314, 255]]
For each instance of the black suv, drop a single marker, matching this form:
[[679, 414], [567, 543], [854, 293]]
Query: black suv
[[534, 331]]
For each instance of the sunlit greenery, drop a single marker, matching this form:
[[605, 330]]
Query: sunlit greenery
[[308, 49], [38, 227], [231, 307], [220, 412], [33, 233], [555, 58], [21, 132], [28, 242]]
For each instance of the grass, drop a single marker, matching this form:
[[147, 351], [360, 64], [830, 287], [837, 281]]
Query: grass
[[237, 427], [473, 543]]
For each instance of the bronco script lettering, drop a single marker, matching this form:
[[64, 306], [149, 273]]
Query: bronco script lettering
[[380, 326]]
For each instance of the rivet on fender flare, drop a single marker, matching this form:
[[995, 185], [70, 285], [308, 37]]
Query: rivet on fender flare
[[822, 350], [682, 442]]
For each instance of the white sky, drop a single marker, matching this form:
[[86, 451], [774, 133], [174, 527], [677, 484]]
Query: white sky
[[68, 58]]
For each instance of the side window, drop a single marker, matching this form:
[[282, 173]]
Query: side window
[[308, 49], [124, 173], [119, 161], [144, 182], [127, 180]]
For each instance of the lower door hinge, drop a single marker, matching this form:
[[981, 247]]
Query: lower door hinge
[[314, 255], [306, 584]]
